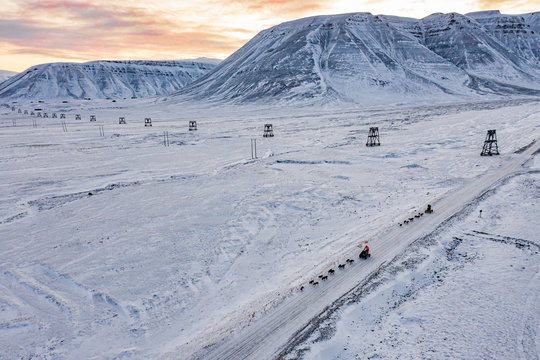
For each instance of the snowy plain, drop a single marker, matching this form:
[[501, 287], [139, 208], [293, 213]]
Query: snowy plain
[[117, 246], [470, 291]]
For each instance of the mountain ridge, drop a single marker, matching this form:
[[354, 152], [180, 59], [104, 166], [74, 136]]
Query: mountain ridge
[[104, 79], [359, 57]]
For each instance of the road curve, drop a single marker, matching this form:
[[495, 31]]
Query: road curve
[[266, 336]]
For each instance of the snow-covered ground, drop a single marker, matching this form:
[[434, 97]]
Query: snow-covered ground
[[117, 246], [469, 292]]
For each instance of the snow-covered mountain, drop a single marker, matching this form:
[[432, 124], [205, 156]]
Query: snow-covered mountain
[[518, 33], [104, 79], [362, 57], [5, 74]]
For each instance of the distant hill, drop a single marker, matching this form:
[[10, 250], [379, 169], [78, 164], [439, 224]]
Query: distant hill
[[104, 79], [365, 58], [5, 74]]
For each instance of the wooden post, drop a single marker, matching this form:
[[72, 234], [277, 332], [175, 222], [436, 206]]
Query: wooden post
[[254, 148]]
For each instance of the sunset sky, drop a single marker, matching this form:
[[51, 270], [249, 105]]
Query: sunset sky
[[34, 32]]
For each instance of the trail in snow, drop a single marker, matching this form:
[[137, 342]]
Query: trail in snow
[[474, 278], [266, 337], [177, 247]]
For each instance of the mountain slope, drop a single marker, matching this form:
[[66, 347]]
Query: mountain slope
[[466, 44], [5, 74], [518, 33], [366, 58], [104, 79]]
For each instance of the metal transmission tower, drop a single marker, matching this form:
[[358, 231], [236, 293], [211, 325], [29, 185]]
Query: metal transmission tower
[[268, 130], [373, 137], [490, 144]]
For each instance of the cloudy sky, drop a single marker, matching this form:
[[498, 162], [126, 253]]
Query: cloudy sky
[[40, 31]]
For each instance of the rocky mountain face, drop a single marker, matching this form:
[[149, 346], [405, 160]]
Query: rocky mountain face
[[365, 58], [104, 79], [518, 33]]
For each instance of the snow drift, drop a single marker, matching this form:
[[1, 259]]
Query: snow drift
[[359, 57], [104, 79]]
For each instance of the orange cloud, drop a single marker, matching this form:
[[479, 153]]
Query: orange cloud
[[81, 30], [519, 6], [279, 9], [94, 29], [290, 6]]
